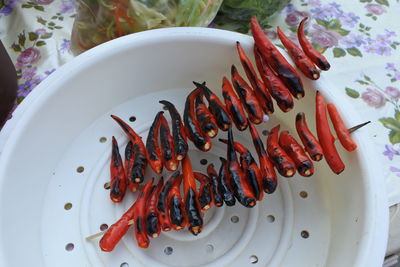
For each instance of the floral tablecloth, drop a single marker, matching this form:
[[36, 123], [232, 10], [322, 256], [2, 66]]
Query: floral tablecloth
[[362, 38]]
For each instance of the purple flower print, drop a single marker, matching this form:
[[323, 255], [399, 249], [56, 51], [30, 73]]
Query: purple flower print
[[8, 7], [67, 6], [352, 40], [397, 75], [28, 56], [373, 98], [43, 2], [328, 11], [314, 2], [390, 67], [395, 170], [40, 31], [349, 19], [382, 39], [393, 92], [319, 35], [390, 152], [383, 50], [389, 34], [28, 74], [65, 46], [293, 18], [271, 34], [375, 9]]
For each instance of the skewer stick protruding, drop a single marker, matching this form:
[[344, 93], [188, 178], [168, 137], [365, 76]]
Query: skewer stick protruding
[[91, 237]]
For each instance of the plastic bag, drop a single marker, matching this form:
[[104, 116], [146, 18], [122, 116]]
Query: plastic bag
[[98, 21]]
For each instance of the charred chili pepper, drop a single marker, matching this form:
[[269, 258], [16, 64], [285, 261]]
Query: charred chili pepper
[[309, 141], [207, 121], [275, 86], [303, 163], [216, 186], [192, 206], [247, 96], [140, 216], [277, 61], [139, 152], [118, 178], [200, 140], [342, 132], [236, 176], [162, 204], [326, 138], [309, 50], [176, 206], [129, 161], [226, 192], [282, 162], [153, 149], [216, 107], [167, 146], [233, 105], [178, 132], [152, 216], [204, 191], [262, 94], [301, 60], [269, 178]]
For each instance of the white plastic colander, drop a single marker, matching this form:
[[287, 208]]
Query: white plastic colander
[[55, 163]]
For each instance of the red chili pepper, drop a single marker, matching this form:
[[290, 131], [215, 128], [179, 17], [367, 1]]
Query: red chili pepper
[[178, 133], [200, 140], [152, 216], [176, 207], [303, 163], [342, 132], [301, 60], [309, 50], [269, 178], [215, 186], [261, 92], [118, 178], [216, 107], [129, 161], [277, 61], [167, 146], [139, 152], [233, 105], [275, 86], [192, 206], [162, 203], [226, 191], [153, 149], [204, 191], [140, 216], [247, 96], [238, 183], [207, 121], [326, 138], [309, 141], [282, 162]]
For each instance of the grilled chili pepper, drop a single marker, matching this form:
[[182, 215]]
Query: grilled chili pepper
[[139, 152], [200, 140], [277, 61], [227, 194], [342, 132], [233, 105], [118, 178], [247, 96], [216, 186], [301, 60], [262, 94], [162, 203], [192, 206], [309, 141], [238, 183], [216, 107], [180, 144], [167, 146], [326, 138], [140, 216], [269, 178], [309, 50], [152, 216], [176, 206], [207, 121], [249, 166], [153, 149], [129, 161], [303, 163], [275, 86], [282, 162], [204, 191]]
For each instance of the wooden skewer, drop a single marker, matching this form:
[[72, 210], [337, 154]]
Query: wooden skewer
[[355, 128], [91, 237]]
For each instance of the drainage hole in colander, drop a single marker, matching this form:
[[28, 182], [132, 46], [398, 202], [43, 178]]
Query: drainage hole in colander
[[68, 206], [203, 161], [103, 139], [265, 132], [80, 169], [69, 247], [235, 219], [209, 248], [168, 250], [124, 264], [271, 218], [253, 259], [103, 227], [132, 119], [107, 186], [305, 234], [303, 194]]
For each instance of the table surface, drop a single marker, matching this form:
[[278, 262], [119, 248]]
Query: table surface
[[362, 37]]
